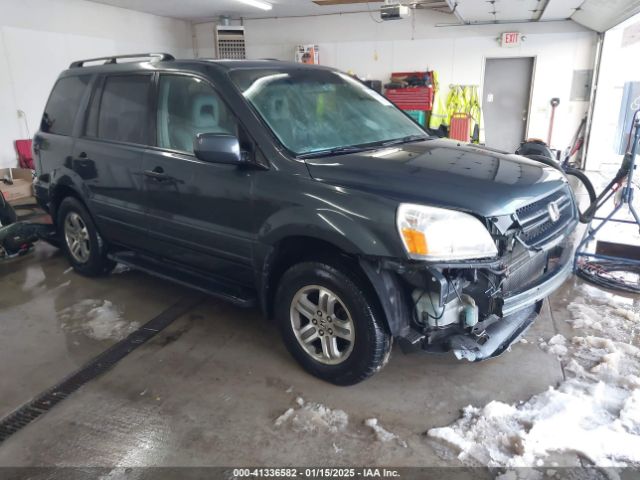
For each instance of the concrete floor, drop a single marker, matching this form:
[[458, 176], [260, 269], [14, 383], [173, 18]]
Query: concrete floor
[[206, 391]]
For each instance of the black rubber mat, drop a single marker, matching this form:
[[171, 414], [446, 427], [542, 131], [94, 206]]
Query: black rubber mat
[[43, 402]]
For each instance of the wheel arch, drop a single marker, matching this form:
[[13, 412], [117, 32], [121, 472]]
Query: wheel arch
[[59, 192], [383, 286]]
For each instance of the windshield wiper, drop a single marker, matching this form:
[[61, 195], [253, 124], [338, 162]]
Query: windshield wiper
[[407, 139], [336, 151], [363, 148]]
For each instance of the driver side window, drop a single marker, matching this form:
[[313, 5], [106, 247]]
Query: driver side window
[[188, 106]]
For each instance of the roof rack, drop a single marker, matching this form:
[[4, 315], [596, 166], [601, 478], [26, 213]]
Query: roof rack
[[158, 57]]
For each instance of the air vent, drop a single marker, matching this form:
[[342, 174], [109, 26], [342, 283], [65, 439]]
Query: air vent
[[230, 42]]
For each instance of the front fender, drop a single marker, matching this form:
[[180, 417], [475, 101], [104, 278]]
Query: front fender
[[351, 235]]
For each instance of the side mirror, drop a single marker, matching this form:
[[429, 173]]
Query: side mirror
[[218, 148]]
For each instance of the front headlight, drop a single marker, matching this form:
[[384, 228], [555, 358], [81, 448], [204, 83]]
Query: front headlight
[[431, 233]]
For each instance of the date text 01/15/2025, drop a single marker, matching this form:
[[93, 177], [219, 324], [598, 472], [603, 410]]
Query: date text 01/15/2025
[[315, 473]]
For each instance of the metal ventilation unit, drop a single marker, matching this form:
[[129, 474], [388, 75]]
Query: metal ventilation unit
[[230, 42]]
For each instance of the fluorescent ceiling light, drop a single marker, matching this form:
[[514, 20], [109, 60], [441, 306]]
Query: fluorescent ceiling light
[[257, 3]]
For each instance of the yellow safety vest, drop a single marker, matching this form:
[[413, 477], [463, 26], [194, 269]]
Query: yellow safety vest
[[439, 115]]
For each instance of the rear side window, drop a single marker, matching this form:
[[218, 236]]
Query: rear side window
[[124, 109], [63, 105]]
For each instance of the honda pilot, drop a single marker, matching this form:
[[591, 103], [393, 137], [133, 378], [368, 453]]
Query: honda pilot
[[297, 189]]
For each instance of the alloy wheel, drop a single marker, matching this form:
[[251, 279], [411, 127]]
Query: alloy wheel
[[322, 324], [76, 236]]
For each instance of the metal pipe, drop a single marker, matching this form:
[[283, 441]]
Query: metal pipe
[[597, 63], [499, 22]]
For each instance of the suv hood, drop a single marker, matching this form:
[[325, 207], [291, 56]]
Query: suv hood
[[443, 173]]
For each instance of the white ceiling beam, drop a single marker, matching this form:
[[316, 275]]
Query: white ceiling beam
[[453, 5], [560, 9], [600, 16]]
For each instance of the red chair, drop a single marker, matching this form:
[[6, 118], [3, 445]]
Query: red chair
[[25, 153]]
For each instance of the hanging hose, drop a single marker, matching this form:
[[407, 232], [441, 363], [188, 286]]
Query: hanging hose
[[616, 275]]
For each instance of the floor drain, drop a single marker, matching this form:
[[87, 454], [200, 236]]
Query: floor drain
[[42, 403]]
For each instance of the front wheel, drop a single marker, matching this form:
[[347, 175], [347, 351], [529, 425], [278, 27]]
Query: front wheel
[[330, 323]]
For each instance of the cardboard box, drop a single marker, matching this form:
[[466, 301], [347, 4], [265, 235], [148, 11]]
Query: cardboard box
[[22, 184]]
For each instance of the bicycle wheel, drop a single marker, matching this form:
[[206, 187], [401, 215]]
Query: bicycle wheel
[[583, 190]]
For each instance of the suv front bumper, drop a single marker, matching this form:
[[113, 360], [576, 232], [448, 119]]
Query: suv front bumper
[[497, 338], [519, 310], [544, 287], [509, 316]]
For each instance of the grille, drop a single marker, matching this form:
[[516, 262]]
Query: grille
[[535, 219], [524, 273]]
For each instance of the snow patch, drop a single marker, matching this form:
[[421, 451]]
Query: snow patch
[[594, 413], [382, 434], [313, 417], [615, 315], [557, 345], [97, 319]]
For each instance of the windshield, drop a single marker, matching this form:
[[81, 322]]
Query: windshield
[[312, 110]]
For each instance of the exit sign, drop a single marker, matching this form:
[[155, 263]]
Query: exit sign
[[511, 39]]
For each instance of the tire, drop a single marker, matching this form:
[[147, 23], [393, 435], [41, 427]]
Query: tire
[[88, 255], [7, 213], [584, 185], [548, 161], [353, 344]]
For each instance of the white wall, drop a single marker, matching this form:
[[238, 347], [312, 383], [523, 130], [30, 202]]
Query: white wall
[[374, 50], [619, 65], [39, 38]]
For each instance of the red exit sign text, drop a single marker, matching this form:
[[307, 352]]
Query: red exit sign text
[[510, 39]]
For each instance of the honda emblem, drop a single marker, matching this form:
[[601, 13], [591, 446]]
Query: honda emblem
[[554, 211]]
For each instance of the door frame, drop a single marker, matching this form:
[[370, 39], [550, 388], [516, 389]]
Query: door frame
[[533, 78]]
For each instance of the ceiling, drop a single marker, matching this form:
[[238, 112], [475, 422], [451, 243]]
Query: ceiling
[[207, 9], [598, 15], [474, 11]]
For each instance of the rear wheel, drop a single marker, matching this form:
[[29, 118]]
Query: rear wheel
[[80, 239], [330, 323]]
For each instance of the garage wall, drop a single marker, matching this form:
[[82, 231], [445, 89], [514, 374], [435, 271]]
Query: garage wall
[[457, 53], [39, 38]]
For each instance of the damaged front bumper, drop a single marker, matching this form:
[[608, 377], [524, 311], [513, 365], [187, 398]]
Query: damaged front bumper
[[519, 311], [540, 290], [441, 323], [497, 337]]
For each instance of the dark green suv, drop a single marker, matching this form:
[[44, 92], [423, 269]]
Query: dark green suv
[[298, 189]]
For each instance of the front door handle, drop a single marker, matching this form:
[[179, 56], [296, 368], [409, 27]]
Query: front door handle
[[157, 174]]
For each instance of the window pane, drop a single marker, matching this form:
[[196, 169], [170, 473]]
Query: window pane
[[124, 109], [188, 106], [63, 105]]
